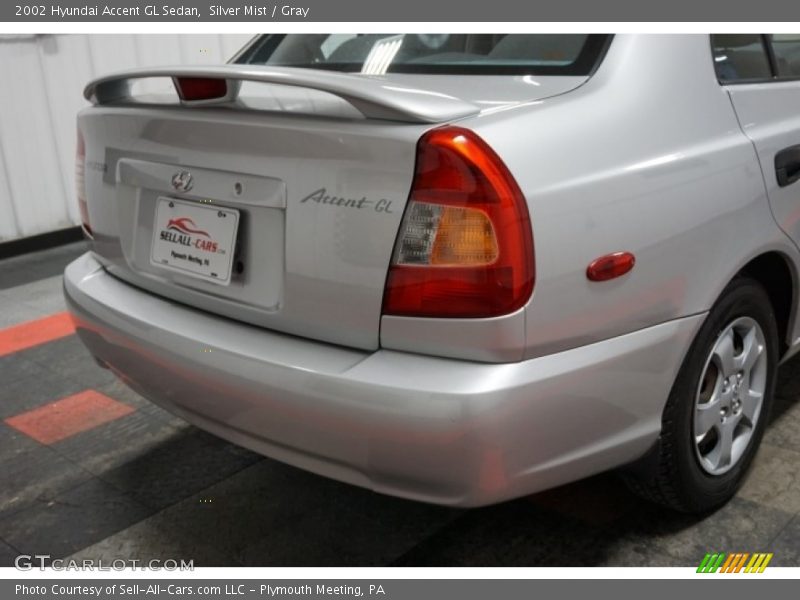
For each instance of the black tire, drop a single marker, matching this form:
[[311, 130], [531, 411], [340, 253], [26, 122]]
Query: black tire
[[671, 475]]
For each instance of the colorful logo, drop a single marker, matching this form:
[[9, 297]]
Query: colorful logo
[[737, 562], [180, 224]]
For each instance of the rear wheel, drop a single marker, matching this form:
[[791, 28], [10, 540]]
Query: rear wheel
[[718, 407]]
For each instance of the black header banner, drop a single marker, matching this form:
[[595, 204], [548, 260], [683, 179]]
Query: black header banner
[[257, 11]]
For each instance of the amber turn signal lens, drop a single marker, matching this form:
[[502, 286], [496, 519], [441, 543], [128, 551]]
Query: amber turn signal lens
[[464, 237]]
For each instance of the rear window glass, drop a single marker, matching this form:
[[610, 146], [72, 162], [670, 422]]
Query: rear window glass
[[375, 54]]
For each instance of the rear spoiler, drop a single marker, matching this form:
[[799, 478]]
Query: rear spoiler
[[374, 97]]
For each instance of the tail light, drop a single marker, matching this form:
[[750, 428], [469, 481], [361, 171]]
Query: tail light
[[193, 89], [465, 247], [80, 183]]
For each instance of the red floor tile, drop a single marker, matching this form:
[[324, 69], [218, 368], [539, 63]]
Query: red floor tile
[[66, 417], [26, 335]]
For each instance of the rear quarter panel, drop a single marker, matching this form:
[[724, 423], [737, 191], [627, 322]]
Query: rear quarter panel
[[647, 157]]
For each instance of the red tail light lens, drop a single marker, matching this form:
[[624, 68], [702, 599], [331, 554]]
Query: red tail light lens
[[80, 183], [192, 89], [465, 247]]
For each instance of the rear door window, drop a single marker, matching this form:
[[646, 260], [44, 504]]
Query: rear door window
[[740, 58], [786, 48]]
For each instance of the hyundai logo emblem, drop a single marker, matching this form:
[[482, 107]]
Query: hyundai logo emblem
[[182, 181]]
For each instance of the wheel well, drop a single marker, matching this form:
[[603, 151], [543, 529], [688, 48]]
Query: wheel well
[[772, 271]]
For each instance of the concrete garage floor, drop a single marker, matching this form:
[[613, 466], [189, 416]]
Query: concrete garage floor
[[88, 469]]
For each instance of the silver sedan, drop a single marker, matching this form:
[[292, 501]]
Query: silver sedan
[[455, 268]]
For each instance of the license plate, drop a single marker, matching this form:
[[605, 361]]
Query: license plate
[[194, 240]]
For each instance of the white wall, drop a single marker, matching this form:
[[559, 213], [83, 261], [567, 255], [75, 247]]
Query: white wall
[[41, 83]]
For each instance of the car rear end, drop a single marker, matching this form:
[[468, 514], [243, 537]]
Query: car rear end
[[331, 266]]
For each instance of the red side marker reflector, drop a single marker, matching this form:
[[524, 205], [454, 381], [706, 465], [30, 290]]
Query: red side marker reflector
[[66, 417], [26, 335], [200, 88], [610, 266]]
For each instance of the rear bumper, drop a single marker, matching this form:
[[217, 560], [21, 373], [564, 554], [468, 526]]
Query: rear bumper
[[431, 429]]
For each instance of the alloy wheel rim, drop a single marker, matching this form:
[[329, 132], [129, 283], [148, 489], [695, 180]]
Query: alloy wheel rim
[[730, 396]]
